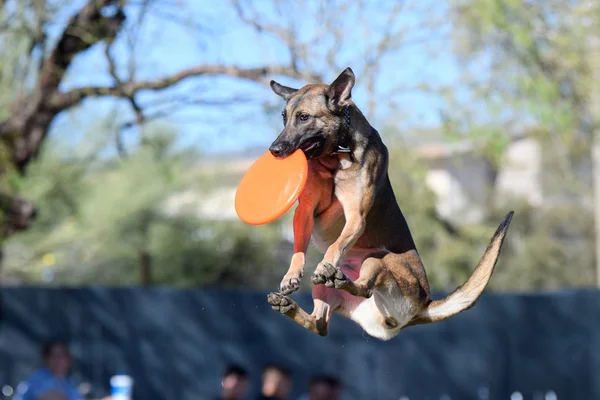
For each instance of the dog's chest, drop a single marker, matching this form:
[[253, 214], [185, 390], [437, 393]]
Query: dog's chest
[[328, 225]]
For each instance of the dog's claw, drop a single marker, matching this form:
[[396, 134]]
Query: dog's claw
[[281, 303], [330, 276], [289, 285], [318, 279]]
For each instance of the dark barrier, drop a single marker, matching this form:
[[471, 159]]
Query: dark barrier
[[175, 343]]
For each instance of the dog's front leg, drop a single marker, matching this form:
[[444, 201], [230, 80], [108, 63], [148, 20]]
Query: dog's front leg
[[303, 226], [356, 201]]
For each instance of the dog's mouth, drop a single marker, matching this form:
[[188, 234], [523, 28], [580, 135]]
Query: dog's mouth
[[312, 146]]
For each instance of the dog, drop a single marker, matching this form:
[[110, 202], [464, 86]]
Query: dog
[[371, 271]]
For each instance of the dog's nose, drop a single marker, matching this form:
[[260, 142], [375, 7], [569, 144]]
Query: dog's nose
[[278, 149]]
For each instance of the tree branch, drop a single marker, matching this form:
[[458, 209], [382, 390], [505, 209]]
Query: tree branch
[[62, 100], [282, 34], [131, 97], [84, 29], [31, 116]]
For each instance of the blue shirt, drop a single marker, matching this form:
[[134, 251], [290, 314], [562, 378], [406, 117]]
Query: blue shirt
[[42, 381]]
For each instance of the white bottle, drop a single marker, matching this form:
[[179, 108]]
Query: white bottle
[[121, 385]]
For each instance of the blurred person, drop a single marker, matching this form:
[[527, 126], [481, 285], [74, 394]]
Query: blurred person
[[336, 387], [234, 383], [323, 387], [51, 381], [276, 383]]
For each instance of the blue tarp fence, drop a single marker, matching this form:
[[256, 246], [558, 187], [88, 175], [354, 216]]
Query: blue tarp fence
[[175, 343]]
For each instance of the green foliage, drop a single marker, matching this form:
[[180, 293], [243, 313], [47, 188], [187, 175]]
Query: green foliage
[[97, 216], [536, 73], [548, 248]]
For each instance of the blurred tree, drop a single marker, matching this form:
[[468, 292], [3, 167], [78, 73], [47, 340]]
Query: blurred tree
[[527, 73], [107, 221], [41, 41], [36, 73], [102, 214]]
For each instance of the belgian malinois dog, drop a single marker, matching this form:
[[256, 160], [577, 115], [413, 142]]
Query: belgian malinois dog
[[371, 271]]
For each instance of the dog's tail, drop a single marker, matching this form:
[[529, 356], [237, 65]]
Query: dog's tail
[[465, 296]]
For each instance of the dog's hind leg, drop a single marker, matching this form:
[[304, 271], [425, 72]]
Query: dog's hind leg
[[317, 322]]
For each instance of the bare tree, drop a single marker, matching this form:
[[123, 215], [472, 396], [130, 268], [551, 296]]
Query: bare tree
[[40, 70], [25, 128], [23, 131]]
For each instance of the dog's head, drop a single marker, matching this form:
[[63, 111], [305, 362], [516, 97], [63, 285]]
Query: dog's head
[[313, 117]]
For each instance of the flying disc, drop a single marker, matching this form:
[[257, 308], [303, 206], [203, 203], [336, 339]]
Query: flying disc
[[270, 187]]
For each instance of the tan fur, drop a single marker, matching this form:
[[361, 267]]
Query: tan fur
[[371, 271]]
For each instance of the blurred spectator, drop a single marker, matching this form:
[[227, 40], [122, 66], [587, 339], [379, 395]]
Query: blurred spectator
[[234, 384], [276, 383], [51, 381], [324, 387]]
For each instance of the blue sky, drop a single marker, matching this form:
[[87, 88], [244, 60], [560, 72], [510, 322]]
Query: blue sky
[[165, 47]]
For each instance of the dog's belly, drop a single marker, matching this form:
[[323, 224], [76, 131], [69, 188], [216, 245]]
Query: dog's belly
[[354, 257]]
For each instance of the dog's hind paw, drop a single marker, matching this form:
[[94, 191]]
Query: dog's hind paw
[[330, 276], [281, 303]]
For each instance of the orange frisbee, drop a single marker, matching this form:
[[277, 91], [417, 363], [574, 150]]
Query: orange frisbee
[[270, 187]]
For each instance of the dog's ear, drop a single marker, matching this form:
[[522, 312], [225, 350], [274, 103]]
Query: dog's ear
[[340, 91], [282, 91]]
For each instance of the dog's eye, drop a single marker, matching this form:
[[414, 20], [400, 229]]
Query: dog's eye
[[284, 115], [303, 117]]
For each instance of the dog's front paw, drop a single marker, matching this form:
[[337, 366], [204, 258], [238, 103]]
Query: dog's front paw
[[290, 283], [281, 303], [330, 276]]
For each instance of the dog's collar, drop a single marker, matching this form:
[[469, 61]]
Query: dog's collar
[[343, 145]]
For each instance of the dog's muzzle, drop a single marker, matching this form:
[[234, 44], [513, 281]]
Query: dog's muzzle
[[281, 149], [312, 146]]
